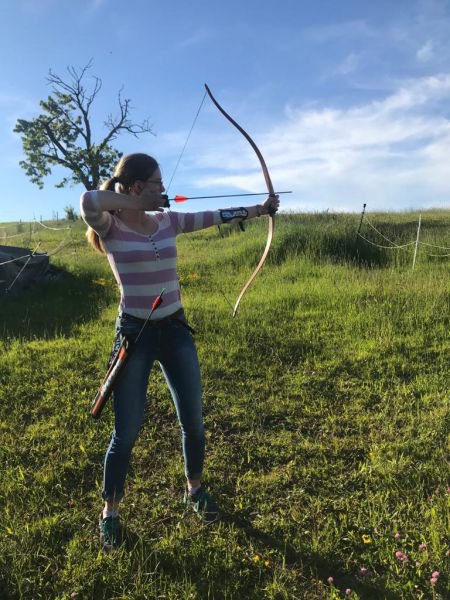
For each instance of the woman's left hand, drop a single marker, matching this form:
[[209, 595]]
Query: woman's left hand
[[271, 205]]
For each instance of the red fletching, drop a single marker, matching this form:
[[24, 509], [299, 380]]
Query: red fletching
[[158, 300], [181, 198]]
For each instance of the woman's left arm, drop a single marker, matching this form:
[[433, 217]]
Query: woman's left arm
[[189, 222], [243, 213], [271, 205]]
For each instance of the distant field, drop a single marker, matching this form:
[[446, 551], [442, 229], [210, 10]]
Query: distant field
[[326, 408]]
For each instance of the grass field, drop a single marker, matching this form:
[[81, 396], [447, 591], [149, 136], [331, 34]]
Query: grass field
[[326, 409]]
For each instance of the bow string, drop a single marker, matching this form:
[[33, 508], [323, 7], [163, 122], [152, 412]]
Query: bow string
[[269, 185]]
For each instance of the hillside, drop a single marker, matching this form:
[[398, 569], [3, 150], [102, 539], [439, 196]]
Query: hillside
[[326, 409]]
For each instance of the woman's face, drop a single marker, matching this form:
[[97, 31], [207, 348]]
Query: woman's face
[[155, 183]]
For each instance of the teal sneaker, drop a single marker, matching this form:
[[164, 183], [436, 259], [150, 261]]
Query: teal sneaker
[[203, 504], [110, 533]]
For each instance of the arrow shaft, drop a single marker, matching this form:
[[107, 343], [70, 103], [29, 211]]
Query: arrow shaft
[[226, 196]]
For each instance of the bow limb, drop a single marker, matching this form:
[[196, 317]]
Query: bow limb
[[270, 190], [260, 264]]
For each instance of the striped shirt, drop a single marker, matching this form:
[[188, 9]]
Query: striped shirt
[[144, 264]]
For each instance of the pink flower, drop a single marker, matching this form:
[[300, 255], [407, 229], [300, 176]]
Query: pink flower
[[422, 547], [401, 557], [433, 581], [435, 574], [348, 591], [398, 536], [330, 580]]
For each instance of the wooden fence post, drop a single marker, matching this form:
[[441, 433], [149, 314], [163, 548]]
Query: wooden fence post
[[417, 243]]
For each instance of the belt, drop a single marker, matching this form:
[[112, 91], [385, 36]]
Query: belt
[[176, 317]]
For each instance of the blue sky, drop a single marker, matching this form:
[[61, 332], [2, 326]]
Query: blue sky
[[348, 101]]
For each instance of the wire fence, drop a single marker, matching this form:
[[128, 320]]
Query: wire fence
[[66, 242], [395, 246], [52, 228]]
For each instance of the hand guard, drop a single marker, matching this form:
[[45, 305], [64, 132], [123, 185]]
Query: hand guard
[[233, 213]]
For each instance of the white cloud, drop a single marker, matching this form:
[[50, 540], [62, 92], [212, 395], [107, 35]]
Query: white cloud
[[39, 7], [391, 153], [426, 52], [348, 65], [340, 31], [196, 38], [13, 106]]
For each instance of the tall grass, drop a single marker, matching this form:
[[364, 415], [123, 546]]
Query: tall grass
[[326, 408]]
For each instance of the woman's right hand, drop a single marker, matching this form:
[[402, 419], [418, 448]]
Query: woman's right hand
[[150, 200]]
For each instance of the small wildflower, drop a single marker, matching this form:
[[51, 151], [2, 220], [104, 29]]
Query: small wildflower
[[330, 580], [256, 558], [364, 571], [267, 563], [348, 591], [398, 536], [435, 574], [401, 557], [366, 539], [422, 547], [433, 581]]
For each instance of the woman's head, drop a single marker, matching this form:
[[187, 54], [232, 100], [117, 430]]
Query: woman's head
[[130, 175], [130, 169]]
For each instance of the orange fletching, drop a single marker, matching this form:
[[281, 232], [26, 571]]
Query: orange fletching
[[181, 198]]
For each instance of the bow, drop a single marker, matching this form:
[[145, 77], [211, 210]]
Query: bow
[[271, 193]]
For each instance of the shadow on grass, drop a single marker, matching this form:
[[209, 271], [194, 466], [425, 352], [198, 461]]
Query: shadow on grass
[[312, 564], [338, 246], [335, 238], [51, 309], [319, 566]]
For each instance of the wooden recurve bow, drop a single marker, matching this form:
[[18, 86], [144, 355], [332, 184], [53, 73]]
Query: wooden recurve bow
[[270, 190]]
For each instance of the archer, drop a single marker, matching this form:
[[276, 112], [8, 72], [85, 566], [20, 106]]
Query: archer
[[141, 250]]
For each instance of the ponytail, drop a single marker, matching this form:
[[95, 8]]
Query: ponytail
[[110, 184], [94, 240]]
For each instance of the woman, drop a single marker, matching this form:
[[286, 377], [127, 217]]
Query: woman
[[141, 251]]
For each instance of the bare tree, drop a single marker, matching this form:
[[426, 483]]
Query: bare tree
[[62, 134]]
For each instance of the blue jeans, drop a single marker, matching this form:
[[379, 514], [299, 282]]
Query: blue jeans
[[169, 342]]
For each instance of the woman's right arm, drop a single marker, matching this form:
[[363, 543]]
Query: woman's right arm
[[96, 204], [106, 200]]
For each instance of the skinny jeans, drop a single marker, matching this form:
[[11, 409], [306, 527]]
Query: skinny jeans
[[169, 342]]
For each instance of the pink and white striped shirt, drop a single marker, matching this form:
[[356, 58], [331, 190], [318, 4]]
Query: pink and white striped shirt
[[144, 264]]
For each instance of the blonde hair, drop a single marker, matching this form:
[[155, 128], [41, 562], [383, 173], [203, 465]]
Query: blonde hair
[[130, 168]]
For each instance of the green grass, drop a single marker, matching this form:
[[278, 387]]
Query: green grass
[[326, 409]]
